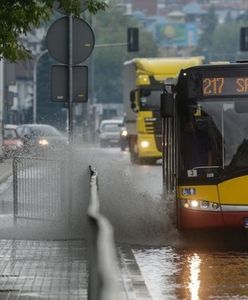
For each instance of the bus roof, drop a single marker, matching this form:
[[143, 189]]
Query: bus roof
[[163, 68], [216, 67], [213, 81]]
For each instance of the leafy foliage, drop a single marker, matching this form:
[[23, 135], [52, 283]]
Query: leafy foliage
[[220, 42], [17, 17], [206, 40], [223, 43]]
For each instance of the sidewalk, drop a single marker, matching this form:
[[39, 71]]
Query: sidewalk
[[37, 261], [6, 169]]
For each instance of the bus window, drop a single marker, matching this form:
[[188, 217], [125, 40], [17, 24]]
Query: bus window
[[196, 144], [201, 143], [216, 140]]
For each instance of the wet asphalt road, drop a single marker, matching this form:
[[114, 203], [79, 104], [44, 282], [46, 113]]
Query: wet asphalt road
[[157, 262], [203, 266]]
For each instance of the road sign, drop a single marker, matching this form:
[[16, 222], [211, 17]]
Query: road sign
[[60, 82], [83, 40], [133, 39], [83, 6], [244, 39]]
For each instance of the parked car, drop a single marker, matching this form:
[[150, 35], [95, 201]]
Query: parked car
[[12, 142], [39, 139], [109, 132]]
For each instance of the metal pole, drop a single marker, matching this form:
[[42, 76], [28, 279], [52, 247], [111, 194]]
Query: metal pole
[[70, 67], [92, 95], [1, 105], [110, 45], [35, 85], [70, 115]]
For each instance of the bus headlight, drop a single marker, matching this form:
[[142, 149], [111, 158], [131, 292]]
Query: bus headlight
[[144, 144], [194, 203], [200, 205]]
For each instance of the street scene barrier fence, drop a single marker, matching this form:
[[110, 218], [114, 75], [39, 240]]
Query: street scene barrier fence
[[38, 188]]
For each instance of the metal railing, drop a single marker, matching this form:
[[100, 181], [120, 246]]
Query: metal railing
[[103, 270], [38, 188]]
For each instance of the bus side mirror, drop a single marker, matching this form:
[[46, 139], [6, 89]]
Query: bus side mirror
[[167, 105], [133, 101]]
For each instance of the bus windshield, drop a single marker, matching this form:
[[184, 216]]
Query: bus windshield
[[150, 99], [214, 138]]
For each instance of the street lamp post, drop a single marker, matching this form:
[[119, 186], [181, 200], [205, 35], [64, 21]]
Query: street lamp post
[[35, 85]]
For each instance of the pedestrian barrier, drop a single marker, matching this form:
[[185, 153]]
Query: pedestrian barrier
[[103, 270], [38, 188]]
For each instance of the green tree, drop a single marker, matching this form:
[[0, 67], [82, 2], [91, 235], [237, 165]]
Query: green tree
[[222, 44], [206, 40], [17, 17], [225, 42], [110, 27]]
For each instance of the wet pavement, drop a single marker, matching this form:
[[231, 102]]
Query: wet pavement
[[34, 267], [5, 169], [156, 261], [37, 269], [43, 269]]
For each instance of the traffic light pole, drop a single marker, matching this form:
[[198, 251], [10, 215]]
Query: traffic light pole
[[35, 84], [70, 70]]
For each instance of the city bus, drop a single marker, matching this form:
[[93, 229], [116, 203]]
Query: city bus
[[205, 130]]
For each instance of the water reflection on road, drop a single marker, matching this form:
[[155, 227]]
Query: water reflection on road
[[175, 266], [185, 274], [196, 266]]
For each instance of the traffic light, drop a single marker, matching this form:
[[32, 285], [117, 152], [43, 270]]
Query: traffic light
[[132, 39], [244, 39]]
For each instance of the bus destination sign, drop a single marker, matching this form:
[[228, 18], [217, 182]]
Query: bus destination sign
[[224, 86]]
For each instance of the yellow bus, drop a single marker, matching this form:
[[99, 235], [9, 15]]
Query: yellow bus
[[206, 130], [143, 83]]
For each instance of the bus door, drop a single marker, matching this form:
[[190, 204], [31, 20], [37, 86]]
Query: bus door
[[168, 141], [233, 189]]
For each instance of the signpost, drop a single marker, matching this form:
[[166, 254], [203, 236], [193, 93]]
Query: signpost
[[1, 105], [70, 41], [60, 89], [83, 40]]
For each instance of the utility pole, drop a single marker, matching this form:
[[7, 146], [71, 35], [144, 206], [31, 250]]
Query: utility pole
[[35, 84], [1, 104]]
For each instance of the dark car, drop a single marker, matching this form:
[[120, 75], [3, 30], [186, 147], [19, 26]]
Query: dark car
[[41, 139]]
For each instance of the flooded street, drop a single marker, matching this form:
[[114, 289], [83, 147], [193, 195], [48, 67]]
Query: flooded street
[[172, 265], [156, 261], [186, 274]]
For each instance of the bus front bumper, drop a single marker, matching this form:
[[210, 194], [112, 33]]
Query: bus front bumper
[[195, 219]]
